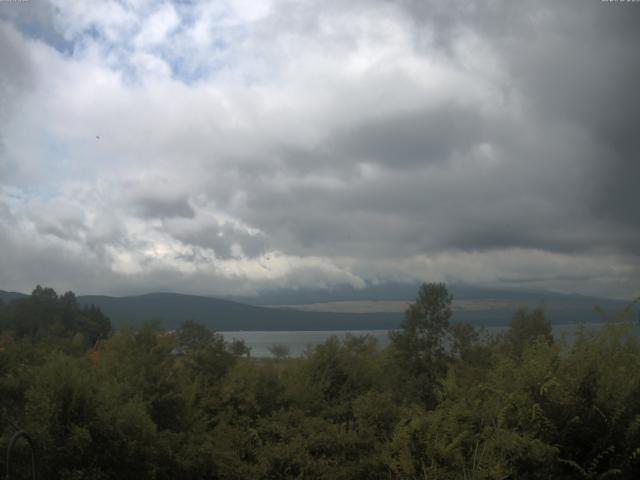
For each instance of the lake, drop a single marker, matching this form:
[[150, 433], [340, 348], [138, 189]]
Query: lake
[[298, 341]]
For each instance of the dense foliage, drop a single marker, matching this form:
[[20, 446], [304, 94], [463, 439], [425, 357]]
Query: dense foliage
[[442, 401]]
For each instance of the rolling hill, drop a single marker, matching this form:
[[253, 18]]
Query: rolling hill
[[384, 309], [224, 315], [6, 297]]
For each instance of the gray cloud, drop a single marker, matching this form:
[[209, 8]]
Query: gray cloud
[[575, 64], [159, 206], [16, 77], [430, 135], [569, 177], [17, 72], [67, 222], [491, 142], [219, 237]]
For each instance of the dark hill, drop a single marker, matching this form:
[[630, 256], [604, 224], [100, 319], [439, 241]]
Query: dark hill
[[227, 315], [408, 291], [6, 297], [224, 315]]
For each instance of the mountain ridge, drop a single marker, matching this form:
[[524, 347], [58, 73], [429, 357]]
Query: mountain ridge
[[230, 314]]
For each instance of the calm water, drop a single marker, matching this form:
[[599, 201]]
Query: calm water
[[298, 341]]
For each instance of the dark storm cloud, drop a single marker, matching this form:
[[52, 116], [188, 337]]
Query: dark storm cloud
[[571, 177], [590, 75], [160, 206], [576, 63], [399, 217], [544, 278], [405, 140]]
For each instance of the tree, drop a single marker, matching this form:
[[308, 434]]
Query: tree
[[44, 314], [239, 348], [464, 338], [192, 336], [418, 346], [279, 351], [206, 351], [525, 328]]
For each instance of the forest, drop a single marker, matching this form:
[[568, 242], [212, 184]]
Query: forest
[[443, 401]]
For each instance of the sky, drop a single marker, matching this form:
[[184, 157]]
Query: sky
[[223, 148]]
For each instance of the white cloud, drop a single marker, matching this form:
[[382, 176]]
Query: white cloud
[[157, 27]]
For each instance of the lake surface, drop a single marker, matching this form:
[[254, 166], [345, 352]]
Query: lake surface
[[298, 341]]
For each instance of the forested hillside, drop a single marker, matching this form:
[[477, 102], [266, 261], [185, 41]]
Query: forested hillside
[[171, 309], [442, 401]]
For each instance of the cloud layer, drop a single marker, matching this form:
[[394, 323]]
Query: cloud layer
[[215, 147]]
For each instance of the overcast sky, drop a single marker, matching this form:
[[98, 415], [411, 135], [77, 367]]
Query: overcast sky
[[224, 147]]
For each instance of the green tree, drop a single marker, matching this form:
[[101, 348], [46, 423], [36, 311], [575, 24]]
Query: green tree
[[44, 314], [525, 328], [419, 344], [239, 348], [279, 351], [206, 352]]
